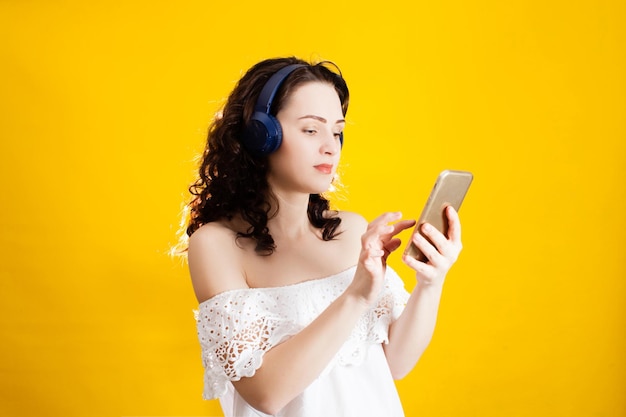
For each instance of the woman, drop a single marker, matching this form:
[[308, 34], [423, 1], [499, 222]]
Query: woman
[[299, 314]]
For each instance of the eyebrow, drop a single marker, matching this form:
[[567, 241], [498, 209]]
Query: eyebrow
[[319, 118]]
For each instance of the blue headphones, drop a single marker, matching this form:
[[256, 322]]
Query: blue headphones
[[263, 134]]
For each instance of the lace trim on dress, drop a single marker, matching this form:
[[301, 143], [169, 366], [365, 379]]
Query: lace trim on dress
[[235, 330], [237, 327]]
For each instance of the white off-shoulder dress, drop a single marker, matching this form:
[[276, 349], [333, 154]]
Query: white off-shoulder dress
[[237, 327]]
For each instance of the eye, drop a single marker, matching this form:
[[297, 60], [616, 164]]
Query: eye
[[310, 131], [338, 135]]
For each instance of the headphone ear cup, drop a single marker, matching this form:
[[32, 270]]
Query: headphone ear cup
[[263, 134]]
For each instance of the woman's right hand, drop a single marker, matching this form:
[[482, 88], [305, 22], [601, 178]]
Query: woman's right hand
[[377, 243]]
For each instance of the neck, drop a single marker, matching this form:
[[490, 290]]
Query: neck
[[291, 220]]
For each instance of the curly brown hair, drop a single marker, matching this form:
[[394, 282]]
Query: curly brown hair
[[231, 180]]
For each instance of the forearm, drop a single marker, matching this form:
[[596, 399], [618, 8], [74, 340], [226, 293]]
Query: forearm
[[411, 333], [291, 366]]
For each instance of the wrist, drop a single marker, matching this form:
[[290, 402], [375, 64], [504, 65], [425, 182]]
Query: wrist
[[433, 286], [354, 301]]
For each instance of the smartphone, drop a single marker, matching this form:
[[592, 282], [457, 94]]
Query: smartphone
[[449, 190]]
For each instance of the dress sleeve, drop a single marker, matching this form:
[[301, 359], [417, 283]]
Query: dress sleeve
[[373, 326], [394, 294], [235, 330]]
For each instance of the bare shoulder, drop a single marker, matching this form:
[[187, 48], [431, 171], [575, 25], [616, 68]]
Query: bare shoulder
[[352, 223], [214, 261]]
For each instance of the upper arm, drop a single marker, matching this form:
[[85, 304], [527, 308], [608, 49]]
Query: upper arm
[[214, 261]]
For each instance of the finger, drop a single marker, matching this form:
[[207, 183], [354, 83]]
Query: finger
[[371, 258], [402, 225], [435, 236], [373, 236], [454, 224], [379, 231], [385, 218], [426, 247], [422, 268], [388, 234], [392, 245], [380, 228], [370, 253], [446, 248]]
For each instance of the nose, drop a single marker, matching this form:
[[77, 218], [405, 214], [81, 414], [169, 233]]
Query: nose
[[331, 144]]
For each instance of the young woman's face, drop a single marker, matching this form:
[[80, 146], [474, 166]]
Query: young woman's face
[[311, 120]]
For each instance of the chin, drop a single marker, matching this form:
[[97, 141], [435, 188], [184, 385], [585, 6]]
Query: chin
[[328, 188], [320, 189]]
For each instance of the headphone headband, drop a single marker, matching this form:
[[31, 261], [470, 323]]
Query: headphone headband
[[266, 98]]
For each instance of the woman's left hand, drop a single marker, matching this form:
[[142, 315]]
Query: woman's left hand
[[441, 254]]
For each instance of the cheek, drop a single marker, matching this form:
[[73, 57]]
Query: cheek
[[296, 147], [284, 160]]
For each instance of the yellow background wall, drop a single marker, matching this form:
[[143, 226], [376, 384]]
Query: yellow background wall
[[104, 106]]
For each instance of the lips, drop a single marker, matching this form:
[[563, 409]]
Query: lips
[[324, 168]]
